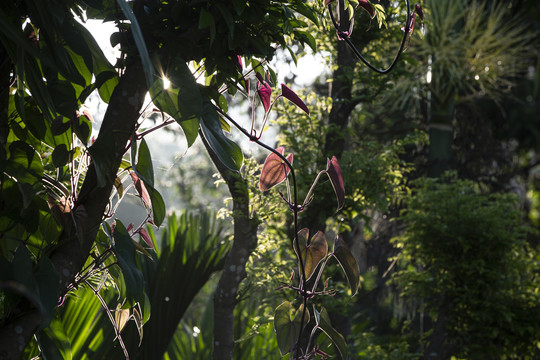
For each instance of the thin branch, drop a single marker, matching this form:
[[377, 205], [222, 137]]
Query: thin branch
[[345, 36]]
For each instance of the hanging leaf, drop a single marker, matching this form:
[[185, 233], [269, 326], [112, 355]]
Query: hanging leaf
[[334, 173], [323, 322], [366, 5], [47, 281], [348, 263], [146, 237], [287, 330], [121, 317], [274, 170], [228, 152], [139, 40], [291, 95], [144, 167], [141, 189], [313, 253], [264, 91], [125, 253]]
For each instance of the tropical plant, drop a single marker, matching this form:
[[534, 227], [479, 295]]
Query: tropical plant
[[91, 319]]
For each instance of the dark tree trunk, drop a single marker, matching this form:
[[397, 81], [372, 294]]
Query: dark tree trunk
[[69, 258], [234, 270]]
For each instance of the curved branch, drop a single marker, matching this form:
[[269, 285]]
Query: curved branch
[[345, 36]]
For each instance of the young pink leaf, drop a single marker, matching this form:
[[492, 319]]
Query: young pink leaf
[[238, 59], [291, 95], [141, 189], [366, 5], [130, 226], [326, 2], [419, 11], [334, 173], [274, 170], [264, 92], [144, 234], [411, 26]]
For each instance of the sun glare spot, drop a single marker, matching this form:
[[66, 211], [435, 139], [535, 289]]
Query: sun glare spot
[[166, 83]]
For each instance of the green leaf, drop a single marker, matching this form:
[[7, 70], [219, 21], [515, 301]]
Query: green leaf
[[60, 155], [323, 322], [145, 171], [125, 253], [314, 252], [102, 153], [228, 152], [53, 342], [207, 20], [182, 100], [144, 167], [58, 126], [82, 127], [287, 330], [158, 206], [47, 282], [139, 41], [347, 262]]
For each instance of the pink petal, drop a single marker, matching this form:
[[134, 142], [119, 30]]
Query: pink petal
[[291, 95]]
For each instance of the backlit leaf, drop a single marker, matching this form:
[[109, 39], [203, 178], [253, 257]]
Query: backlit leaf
[[314, 252], [146, 237], [141, 189], [125, 253], [348, 263], [264, 93], [323, 322], [228, 152], [287, 330], [334, 173], [291, 95], [274, 170]]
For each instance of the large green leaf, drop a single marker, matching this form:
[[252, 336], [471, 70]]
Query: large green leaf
[[145, 171], [323, 322], [287, 330], [125, 253], [313, 253], [144, 167], [348, 263], [182, 99], [139, 41], [228, 152], [47, 283]]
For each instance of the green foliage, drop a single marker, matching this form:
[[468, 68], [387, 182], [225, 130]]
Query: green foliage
[[464, 253]]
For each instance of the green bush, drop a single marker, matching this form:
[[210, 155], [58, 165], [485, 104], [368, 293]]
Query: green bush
[[464, 252]]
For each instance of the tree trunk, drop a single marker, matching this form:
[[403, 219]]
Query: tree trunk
[[69, 258], [234, 270]]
